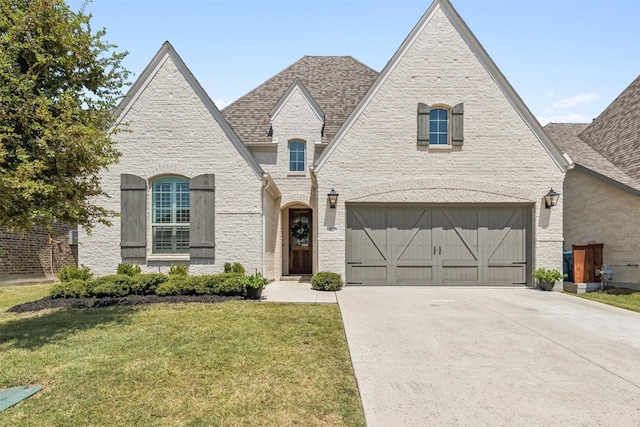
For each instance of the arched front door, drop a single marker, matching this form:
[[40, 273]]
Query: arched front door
[[300, 232]]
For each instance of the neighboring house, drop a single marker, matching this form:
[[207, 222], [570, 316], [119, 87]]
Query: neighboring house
[[37, 255], [602, 189], [439, 167]]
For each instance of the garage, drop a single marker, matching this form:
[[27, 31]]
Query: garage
[[438, 245]]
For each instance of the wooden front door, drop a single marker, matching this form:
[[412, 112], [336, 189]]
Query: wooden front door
[[300, 232]]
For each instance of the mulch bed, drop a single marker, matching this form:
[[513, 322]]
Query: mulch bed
[[129, 300]]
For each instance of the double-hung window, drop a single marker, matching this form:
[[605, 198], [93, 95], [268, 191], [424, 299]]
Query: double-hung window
[[170, 215]]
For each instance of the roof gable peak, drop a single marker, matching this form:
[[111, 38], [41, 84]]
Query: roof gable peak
[[299, 86], [167, 52]]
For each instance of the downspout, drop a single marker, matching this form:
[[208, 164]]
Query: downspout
[[266, 183]]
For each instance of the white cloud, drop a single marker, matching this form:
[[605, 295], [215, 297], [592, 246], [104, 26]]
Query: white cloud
[[583, 98], [220, 103], [568, 118], [550, 94]]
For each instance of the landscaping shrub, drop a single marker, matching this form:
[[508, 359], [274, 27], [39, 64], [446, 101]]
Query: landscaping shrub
[[129, 269], [146, 284], [115, 285], [178, 270], [178, 285], [326, 281], [219, 284], [75, 288], [236, 267], [71, 272]]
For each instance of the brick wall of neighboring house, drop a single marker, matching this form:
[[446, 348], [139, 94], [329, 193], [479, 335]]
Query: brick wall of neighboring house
[[597, 212], [28, 256]]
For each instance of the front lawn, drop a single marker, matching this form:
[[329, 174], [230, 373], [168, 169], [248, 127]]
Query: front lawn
[[618, 297], [228, 364], [14, 295]]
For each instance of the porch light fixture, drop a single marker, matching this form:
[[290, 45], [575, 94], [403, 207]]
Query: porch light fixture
[[551, 199], [333, 198]]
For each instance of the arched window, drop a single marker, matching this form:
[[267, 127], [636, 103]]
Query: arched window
[[439, 126], [170, 215], [296, 156]]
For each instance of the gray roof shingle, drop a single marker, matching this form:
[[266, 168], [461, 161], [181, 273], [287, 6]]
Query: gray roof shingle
[[336, 83], [616, 132], [610, 145]]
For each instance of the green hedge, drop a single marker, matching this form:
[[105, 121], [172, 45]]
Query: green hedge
[[119, 285]]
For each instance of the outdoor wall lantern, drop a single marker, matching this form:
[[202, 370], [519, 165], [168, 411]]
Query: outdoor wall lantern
[[551, 199], [333, 198]]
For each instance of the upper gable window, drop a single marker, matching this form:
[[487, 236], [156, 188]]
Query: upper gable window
[[296, 156], [170, 215], [440, 125]]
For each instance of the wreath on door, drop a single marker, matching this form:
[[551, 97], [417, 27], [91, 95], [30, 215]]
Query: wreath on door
[[300, 230]]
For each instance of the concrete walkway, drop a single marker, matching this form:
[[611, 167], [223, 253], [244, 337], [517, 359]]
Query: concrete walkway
[[296, 292], [494, 357]]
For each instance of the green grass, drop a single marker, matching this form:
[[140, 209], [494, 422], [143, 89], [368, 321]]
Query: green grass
[[14, 295], [231, 364], [618, 297]]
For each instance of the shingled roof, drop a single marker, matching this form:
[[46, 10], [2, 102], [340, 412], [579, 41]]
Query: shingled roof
[[610, 145], [336, 83], [616, 132]]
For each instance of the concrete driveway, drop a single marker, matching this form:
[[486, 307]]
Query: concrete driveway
[[471, 356]]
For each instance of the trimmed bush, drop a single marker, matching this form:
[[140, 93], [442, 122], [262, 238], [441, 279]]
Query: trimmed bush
[[236, 267], [326, 281], [71, 272], [146, 284], [178, 270], [76, 288], [116, 285], [177, 285], [219, 284], [129, 269]]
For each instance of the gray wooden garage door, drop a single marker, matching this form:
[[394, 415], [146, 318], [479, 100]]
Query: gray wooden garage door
[[427, 245]]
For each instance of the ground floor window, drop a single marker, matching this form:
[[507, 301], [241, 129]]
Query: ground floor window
[[170, 215]]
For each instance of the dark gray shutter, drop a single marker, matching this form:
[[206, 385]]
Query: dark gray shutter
[[457, 124], [133, 220], [202, 216], [423, 124]]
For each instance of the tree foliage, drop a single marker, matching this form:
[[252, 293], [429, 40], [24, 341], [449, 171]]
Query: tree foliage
[[59, 85]]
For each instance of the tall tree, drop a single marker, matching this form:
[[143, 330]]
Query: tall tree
[[60, 83]]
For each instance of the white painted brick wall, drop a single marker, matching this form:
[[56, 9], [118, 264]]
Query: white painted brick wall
[[296, 120], [379, 160], [174, 133], [600, 213]]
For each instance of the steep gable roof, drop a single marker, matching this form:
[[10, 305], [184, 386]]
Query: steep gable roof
[[484, 59], [336, 83], [615, 134], [165, 53]]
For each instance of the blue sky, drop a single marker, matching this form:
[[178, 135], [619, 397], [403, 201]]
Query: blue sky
[[568, 59]]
